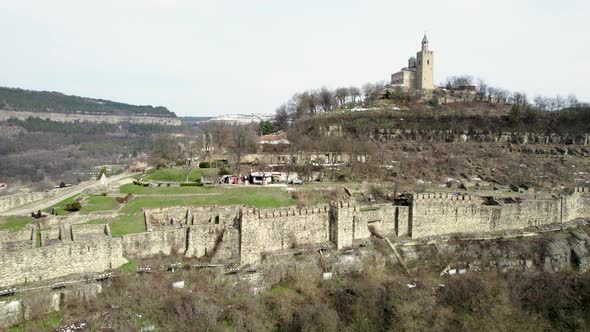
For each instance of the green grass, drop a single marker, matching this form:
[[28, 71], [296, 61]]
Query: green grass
[[59, 206], [13, 223], [48, 323], [128, 224], [130, 266], [131, 218], [131, 188], [177, 174], [98, 203], [253, 197]]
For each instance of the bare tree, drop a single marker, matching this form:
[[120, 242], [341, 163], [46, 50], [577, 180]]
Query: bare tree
[[242, 141], [541, 103], [282, 117], [368, 91], [520, 99], [560, 102], [326, 99], [572, 101], [354, 93], [482, 88], [341, 94], [190, 154]]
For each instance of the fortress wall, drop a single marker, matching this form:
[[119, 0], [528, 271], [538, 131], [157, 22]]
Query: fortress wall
[[96, 255], [268, 230], [89, 229], [11, 201], [107, 118], [479, 136], [576, 205], [436, 216], [49, 235], [202, 239], [147, 244], [354, 222], [162, 217], [402, 222], [217, 214], [229, 248], [25, 234]]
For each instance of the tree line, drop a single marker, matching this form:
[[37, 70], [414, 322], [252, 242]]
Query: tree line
[[324, 100]]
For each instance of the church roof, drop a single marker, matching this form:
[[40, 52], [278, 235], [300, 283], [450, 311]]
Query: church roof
[[412, 58], [425, 39]]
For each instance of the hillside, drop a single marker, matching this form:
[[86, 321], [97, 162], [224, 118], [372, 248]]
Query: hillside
[[464, 117], [12, 99]]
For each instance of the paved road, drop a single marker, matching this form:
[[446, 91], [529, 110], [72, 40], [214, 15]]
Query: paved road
[[47, 202]]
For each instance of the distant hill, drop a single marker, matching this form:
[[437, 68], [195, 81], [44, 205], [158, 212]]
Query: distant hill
[[12, 99]]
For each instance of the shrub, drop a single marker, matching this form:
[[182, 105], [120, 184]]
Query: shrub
[[73, 206], [124, 199], [104, 194], [204, 164], [62, 184]]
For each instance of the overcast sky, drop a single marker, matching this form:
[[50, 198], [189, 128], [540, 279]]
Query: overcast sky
[[206, 58]]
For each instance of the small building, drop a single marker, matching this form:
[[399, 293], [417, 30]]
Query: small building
[[264, 178], [230, 179], [3, 186]]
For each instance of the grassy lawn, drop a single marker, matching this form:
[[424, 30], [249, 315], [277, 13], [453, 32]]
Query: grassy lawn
[[98, 203], [177, 174], [131, 219], [128, 224], [131, 188], [14, 223], [254, 197], [59, 206]]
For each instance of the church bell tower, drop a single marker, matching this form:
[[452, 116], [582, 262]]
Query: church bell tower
[[425, 67]]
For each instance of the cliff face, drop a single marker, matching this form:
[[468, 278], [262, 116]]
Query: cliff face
[[93, 118]]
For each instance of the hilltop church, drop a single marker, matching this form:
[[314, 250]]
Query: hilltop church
[[419, 74]]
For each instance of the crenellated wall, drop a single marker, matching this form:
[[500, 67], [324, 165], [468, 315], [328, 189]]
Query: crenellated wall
[[245, 235], [269, 230], [57, 260]]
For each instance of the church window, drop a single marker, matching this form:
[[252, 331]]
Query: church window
[[427, 62]]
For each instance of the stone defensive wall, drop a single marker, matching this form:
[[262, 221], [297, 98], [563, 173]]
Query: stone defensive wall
[[59, 253], [479, 136], [458, 136], [436, 214], [244, 236], [94, 118], [11, 201]]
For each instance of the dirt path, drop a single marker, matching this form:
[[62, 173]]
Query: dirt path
[[47, 202]]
